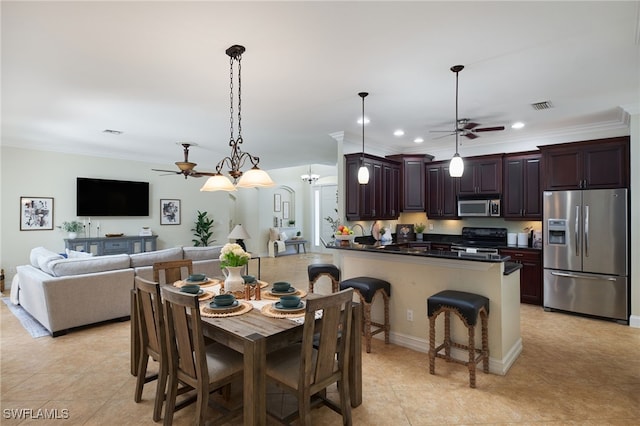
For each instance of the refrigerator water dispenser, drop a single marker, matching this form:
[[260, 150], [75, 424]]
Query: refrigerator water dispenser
[[557, 229]]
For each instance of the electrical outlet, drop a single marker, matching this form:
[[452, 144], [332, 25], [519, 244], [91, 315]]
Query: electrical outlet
[[409, 315], [431, 227]]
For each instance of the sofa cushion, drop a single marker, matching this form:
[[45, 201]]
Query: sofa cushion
[[151, 257], [202, 253], [87, 265], [38, 252], [72, 254], [44, 262]]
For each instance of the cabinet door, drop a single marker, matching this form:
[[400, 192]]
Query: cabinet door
[[413, 185], [530, 274], [449, 193], [433, 193], [370, 199], [482, 176], [532, 199], [467, 182], [513, 187], [352, 189], [440, 246], [563, 168], [604, 166], [392, 190], [521, 189]]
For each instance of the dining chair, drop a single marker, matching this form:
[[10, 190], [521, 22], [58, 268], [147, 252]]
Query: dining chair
[[152, 341], [172, 270], [309, 367], [205, 368]]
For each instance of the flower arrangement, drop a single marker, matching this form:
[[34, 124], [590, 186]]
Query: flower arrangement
[[233, 255], [73, 226], [419, 228]]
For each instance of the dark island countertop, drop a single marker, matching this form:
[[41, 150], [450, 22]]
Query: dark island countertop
[[401, 249]]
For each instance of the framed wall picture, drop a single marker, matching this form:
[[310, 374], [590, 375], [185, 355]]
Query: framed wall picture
[[36, 213], [405, 232], [285, 210], [277, 202], [169, 212]]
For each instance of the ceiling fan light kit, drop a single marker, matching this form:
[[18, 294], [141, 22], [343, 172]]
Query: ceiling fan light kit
[[187, 168], [363, 172]]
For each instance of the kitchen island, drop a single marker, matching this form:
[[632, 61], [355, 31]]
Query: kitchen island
[[417, 273]]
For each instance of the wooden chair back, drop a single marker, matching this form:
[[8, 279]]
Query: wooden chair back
[[171, 271], [330, 361], [185, 340]]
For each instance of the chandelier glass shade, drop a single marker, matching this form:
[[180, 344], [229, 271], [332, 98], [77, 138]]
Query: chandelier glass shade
[[310, 177], [254, 177], [363, 172], [456, 166]]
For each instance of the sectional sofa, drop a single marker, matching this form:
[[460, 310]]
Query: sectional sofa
[[64, 293]]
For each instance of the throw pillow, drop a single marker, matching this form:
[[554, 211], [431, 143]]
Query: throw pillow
[[71, 254], [283, 236], [273, 234]]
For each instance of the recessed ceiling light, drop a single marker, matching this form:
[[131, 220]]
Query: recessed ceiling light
[[398, 132], [517, 125], [366, 120], [418, 140]]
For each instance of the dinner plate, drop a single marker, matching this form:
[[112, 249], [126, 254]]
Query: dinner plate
[[193, 294], [196, 282], [215, 307], [289, 291], [278, 307]]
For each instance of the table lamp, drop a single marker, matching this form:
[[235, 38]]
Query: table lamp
[[239, 234]]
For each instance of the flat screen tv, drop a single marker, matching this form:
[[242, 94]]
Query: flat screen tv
[[103, 197]]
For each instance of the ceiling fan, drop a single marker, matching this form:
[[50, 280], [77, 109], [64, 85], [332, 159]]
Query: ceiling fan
[[464, 126], [186, 167]]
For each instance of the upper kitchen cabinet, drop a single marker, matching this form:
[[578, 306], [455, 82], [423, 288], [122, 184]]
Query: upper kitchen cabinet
[[441, 191], [595, 164], [482, 175], [521, 189], [412, 181], [377, 199]]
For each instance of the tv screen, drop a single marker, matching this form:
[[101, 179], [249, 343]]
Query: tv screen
[[103, 197]]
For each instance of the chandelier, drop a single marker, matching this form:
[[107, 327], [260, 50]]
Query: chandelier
[[310, 177], [252, 178]]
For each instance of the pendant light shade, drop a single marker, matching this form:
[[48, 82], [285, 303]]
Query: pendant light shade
[[363, 172], [456, 167], [254, 177]]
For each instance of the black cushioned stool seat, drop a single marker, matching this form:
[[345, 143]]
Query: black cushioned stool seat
[[367, 288], [318, 270], [468, 307]]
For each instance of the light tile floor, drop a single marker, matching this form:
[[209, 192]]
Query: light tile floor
[[572, 370]]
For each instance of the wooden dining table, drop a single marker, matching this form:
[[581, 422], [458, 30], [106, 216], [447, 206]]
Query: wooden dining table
[[255, 335]]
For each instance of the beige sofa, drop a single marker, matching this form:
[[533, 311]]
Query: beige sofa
[[63, 293]]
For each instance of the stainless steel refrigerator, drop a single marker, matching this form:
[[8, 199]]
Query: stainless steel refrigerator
[[585, 252]]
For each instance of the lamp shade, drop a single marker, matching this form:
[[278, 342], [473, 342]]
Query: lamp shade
[[239, 233], [255, 177], [218, 182], [363, 175], [456, 166]]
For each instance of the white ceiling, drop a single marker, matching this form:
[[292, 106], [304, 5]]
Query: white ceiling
[[158, 72]]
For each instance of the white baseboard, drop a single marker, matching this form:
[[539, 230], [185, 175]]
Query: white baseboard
[[634, 321], [496, 366]]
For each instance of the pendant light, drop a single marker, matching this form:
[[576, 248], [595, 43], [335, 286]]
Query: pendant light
[[253, 177], [310, 177], [363, 172], [456, 167]]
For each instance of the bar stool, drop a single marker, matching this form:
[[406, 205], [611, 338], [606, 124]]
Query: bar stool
[[467, 306], [367, 288], [317, 270]]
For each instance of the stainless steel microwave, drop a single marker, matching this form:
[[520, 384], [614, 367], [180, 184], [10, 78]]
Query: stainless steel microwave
[[479, 207]]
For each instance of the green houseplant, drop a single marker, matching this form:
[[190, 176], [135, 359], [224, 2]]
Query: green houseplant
[[419, 228], [202, 230], [72, 227]]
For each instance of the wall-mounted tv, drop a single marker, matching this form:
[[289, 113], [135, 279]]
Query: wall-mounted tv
[[103, 197]]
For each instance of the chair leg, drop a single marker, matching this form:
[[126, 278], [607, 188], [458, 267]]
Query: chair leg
[[367, 325], [485, 341], [387, 323], [472, 356], [202, 403], [143, 361], [161, 389], [432, 344], [447, 335], [170, 405], [345, 400]]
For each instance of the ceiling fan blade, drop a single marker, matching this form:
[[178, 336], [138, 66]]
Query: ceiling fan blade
[[168, 171], [469, 135], [489, 129], [200, 174], [469, 126], [442, 131], [444, 136]]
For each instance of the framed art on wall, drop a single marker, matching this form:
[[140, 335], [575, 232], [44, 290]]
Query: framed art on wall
[[277, 200], [169, 212], [285, 210], [36, 213]]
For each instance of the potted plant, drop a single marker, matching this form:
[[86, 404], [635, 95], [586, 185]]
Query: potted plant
[[419, 228], [72, 227], [292, 222], [202, 230]]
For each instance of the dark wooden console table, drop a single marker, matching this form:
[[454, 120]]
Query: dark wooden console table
[[101, 246]]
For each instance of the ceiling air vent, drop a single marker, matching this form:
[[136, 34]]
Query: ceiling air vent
[[542, 105]]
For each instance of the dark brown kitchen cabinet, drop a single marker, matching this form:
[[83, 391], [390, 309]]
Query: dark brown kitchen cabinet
[[521, 193], [482, 175], [530, 274], [440, 246], [377, 199], [441, 191], [412, 196], [594, 164]]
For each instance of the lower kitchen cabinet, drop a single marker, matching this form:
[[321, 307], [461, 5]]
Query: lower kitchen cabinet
[[530, 274]]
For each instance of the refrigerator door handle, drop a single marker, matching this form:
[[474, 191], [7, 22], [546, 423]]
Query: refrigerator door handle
[[588, 277], [577, 230], [586, 231]]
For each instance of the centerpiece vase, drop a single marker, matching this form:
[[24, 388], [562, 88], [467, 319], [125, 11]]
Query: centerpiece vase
[[233, 278]]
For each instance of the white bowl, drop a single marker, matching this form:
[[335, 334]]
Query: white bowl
[[345, 237]]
